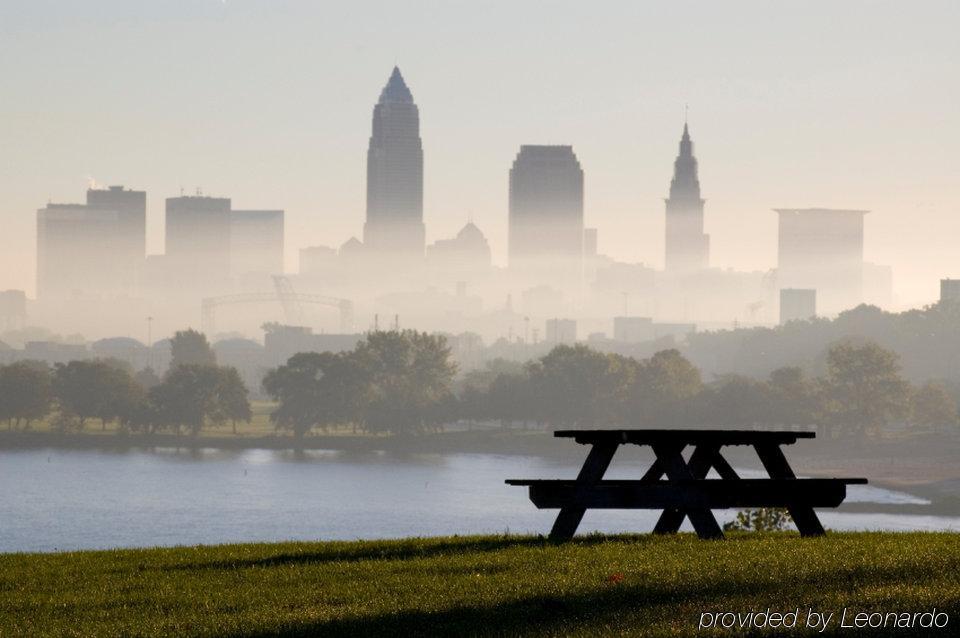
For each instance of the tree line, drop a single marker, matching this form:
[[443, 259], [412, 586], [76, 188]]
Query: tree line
[[927, 339], [194, 393], [861, 393], [405, 382]]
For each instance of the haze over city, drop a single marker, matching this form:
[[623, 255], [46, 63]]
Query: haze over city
[[486, 318], [837, 105]]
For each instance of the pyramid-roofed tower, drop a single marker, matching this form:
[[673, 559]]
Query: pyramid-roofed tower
[[687, 247], [394, 225]]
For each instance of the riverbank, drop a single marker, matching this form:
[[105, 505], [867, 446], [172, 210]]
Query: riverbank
[[628, 585]]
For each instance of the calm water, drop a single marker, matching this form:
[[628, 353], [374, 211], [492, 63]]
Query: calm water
[[61, 500]]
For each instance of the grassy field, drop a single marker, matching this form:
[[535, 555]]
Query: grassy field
[[260, 425], [636, 586]]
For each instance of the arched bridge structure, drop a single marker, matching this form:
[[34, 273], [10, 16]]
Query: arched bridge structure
[[291, 302]]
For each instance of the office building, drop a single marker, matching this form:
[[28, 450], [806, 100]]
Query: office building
[[468, 252], [198, 236], [822, 249], [130, 243], [561, 331], [74, 255], [546, 231], [13, 309], [94, 248], [394, 224], [797, 304], [687, 248], [632, 329], [950, 291]]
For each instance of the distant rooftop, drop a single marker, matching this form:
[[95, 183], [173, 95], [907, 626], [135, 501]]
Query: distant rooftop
[[820, 211]]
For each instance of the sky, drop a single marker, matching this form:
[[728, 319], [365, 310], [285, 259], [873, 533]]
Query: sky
[[839, 104]]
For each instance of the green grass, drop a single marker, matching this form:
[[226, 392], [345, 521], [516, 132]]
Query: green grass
[[638, 585], [259, 425]]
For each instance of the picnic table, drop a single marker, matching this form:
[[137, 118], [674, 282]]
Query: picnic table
[[680, 486]]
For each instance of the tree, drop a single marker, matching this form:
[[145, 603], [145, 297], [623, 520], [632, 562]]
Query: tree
[[189, 347], [147, 378], [407, 375], [662, 390], [932, 407], [95, 389], [863, 387], [792, 399], [734, 401], [480, 379], [187, 396], [232, 402], [576, 386], [25, 393], [508, 399], [316, 389]]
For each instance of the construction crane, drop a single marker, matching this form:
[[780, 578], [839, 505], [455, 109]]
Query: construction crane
[[291, 302], [288, 300]]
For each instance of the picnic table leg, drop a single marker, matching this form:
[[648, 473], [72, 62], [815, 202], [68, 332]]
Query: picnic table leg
[[704, 523], [806, 520], [700, 462], [598, 460]]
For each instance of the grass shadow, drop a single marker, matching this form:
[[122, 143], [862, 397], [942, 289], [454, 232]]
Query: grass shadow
[[611, 609], [398, 550]]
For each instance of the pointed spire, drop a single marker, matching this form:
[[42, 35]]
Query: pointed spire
[[396, 89], [686, 145], [685, 183]]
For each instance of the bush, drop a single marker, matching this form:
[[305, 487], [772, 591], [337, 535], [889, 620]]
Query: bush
[[762, 519]]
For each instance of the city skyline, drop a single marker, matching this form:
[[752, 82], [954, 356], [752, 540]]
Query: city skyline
[[828, 133]]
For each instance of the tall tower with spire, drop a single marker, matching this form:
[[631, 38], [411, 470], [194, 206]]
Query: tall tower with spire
[[687, 248], [395, 174]]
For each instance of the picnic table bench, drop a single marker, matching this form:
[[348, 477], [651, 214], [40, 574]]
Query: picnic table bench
[[679, 486]]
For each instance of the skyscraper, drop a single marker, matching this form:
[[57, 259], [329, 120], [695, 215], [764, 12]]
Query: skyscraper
[[198, 241], [130, 246], [546, 210], [822, 249], [687, 248], [92, 248], [395, 174]]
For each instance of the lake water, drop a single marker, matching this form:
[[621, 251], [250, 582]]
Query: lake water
[[63, 500]]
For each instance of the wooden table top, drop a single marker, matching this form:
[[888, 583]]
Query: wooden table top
[[686, 437]]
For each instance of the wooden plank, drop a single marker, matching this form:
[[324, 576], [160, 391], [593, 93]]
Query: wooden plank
[[723, 468], [676, 469], [685, 437], [695, 494], [700, 461], [528, 482], [594, 467], [806, 520]]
